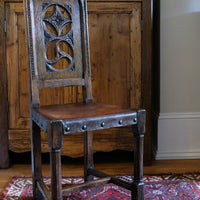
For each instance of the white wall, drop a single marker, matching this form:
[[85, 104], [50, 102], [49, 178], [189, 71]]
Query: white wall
[[179, 122]]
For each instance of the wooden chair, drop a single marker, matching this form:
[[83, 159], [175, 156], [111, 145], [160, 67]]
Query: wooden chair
[[58, 23]]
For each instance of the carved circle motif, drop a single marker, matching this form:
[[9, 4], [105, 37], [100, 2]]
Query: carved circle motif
[[57, 23]]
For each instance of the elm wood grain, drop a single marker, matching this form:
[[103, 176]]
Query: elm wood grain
[[58, 120]]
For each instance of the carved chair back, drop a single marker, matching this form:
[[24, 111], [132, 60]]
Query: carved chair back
[[57, 43]]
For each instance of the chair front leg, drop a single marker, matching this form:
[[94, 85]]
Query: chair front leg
[[138, 130], [36, 157], [55, 141], [88, 155], [56, 179]]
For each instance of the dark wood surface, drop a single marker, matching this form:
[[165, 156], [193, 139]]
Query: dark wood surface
[[84, 117], [36, 161], [73, 111], [48, 25], [4, 145], [147, 71], [156, 76], [146, 100]]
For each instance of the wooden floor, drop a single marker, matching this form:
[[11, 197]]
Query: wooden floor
[[110, 167]]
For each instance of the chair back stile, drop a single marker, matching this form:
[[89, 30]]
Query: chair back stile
[[58, 51]]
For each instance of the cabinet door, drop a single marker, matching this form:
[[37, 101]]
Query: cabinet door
[[115, 53], [18, 99], [115, 49], [18, 115]]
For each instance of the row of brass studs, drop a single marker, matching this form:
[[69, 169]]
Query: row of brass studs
[[84, 127]]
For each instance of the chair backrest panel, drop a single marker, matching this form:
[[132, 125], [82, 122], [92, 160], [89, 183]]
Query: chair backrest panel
[[57, 41]]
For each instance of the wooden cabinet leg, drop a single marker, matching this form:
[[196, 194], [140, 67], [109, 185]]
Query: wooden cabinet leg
[[88, 154], [4, 153]]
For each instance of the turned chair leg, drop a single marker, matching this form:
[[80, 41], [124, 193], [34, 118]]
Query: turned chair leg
[[138, 184], [88, 155], [56, 178], [36, 157]]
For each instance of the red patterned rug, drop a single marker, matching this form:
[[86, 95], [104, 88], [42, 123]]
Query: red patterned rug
[[163, 187]]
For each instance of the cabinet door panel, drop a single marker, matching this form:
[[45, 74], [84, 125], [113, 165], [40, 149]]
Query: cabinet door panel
[[115, 49], [16, 71]]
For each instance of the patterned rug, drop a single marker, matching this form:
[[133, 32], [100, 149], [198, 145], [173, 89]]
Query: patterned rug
[[162, 187]]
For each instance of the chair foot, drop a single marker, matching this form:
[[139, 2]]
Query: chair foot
[[138, 192], [37, 194]]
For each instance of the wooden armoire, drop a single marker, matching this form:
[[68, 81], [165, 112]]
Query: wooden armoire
[[121, 46]]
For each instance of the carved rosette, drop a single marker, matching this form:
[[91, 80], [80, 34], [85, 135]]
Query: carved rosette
[[58, 34]]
